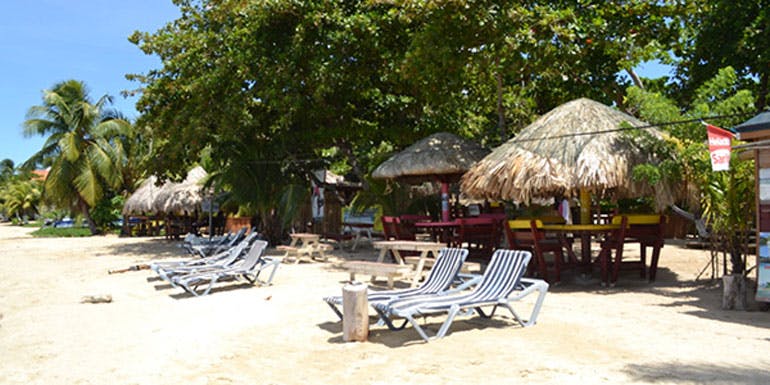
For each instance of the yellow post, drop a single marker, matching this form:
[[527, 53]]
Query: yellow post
[[585, 207]]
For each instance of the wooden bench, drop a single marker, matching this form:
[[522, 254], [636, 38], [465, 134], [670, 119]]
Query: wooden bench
[[310, 251], [377, 269], [467, 267]]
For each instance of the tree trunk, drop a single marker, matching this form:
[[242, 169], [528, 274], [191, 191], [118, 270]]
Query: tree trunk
[[735, 292], [85, 210], [355, 165], [125, 230], [500, 108], [635, 78]]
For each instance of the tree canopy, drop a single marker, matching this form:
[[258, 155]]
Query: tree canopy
[[283, 87]]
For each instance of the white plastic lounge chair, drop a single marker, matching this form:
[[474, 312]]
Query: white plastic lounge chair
[[191, 240], [199, 261], [248, 268], [443, 273], [217, 261], [501, 284], [207, 250]]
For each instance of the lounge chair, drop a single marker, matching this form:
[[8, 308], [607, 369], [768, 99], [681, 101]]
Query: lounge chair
[[191, 240], [443, 273], [207, 250], [501, 284], [248, 268], [223, 259]]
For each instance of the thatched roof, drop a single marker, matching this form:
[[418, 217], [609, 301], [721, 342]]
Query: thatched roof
[[185, 196], [169, 198], [574, 146], [142, 201], [441, 156]]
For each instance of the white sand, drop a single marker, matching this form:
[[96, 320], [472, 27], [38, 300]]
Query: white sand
[[670, 332]]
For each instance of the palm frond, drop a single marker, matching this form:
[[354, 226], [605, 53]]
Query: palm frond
[[87, 183], [68, 144]]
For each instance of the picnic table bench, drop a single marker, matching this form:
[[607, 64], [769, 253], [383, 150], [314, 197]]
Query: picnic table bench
[[305, 245], [378, 269]]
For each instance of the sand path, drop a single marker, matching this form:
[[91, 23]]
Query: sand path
[[670, 332]]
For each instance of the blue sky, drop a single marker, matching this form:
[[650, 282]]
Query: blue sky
[[43, 42]]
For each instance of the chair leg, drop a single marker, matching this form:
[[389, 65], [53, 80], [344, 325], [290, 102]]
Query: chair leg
[[558, 259], [542, 266], [618, 262], [532, 285], [604, 255], [654, 262], [336, 311], [643, 257], [450, 318]]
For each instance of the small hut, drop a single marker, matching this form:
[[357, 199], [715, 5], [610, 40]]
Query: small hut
[[441, 157], [179, 203]]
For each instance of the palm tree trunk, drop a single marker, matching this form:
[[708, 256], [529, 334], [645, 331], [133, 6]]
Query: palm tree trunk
[[85, 210]]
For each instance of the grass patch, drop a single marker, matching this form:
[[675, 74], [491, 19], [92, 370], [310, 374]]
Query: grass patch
[[62, 232]]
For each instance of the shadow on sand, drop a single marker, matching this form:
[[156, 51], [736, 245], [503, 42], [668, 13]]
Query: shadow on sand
[[674, 373]]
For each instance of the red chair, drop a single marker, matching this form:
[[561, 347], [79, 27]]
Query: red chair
[[527, 234], [647, 231], [389, 228], [481, 236], [614, 241], [394, 230]]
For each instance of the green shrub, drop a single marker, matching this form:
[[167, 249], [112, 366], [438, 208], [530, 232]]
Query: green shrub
[[62, 232]]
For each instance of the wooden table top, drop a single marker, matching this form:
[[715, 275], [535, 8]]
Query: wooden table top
[[578, 228], [305, 236], [408, 245], [437, 224]]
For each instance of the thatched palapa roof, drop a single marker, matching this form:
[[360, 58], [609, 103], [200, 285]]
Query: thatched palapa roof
[[142, 201], [575, 146], [185, 196], [169, 198], [441, 156]]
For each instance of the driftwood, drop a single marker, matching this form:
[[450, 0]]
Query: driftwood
[[105, 298], [130, 268]]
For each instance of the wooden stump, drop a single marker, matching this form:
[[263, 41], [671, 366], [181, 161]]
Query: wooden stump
[[355, 312], [735, 292]]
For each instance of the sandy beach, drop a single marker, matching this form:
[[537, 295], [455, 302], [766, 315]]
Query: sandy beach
[[668, 332]]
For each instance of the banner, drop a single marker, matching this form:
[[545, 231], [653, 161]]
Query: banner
[[317, 200], [719, 147]]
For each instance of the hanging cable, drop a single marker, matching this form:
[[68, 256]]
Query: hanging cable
[[574, 134]]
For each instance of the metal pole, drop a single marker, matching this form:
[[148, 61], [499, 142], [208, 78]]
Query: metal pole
[[211, 224]]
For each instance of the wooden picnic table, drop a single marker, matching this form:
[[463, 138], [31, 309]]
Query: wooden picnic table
[[396, 247], [442, 231], [585, 231], [361, 229], [305, 244]]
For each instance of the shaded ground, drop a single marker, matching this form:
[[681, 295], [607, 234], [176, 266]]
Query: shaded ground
[[670, 332]]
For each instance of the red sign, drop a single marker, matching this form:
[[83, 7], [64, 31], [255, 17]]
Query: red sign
[[719, 147]]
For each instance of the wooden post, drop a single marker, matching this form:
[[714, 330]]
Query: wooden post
[[585, 207], [355, 312]]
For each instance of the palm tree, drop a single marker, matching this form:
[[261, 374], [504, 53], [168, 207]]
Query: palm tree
[[21, 197], [79, 149], [7, 169]]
